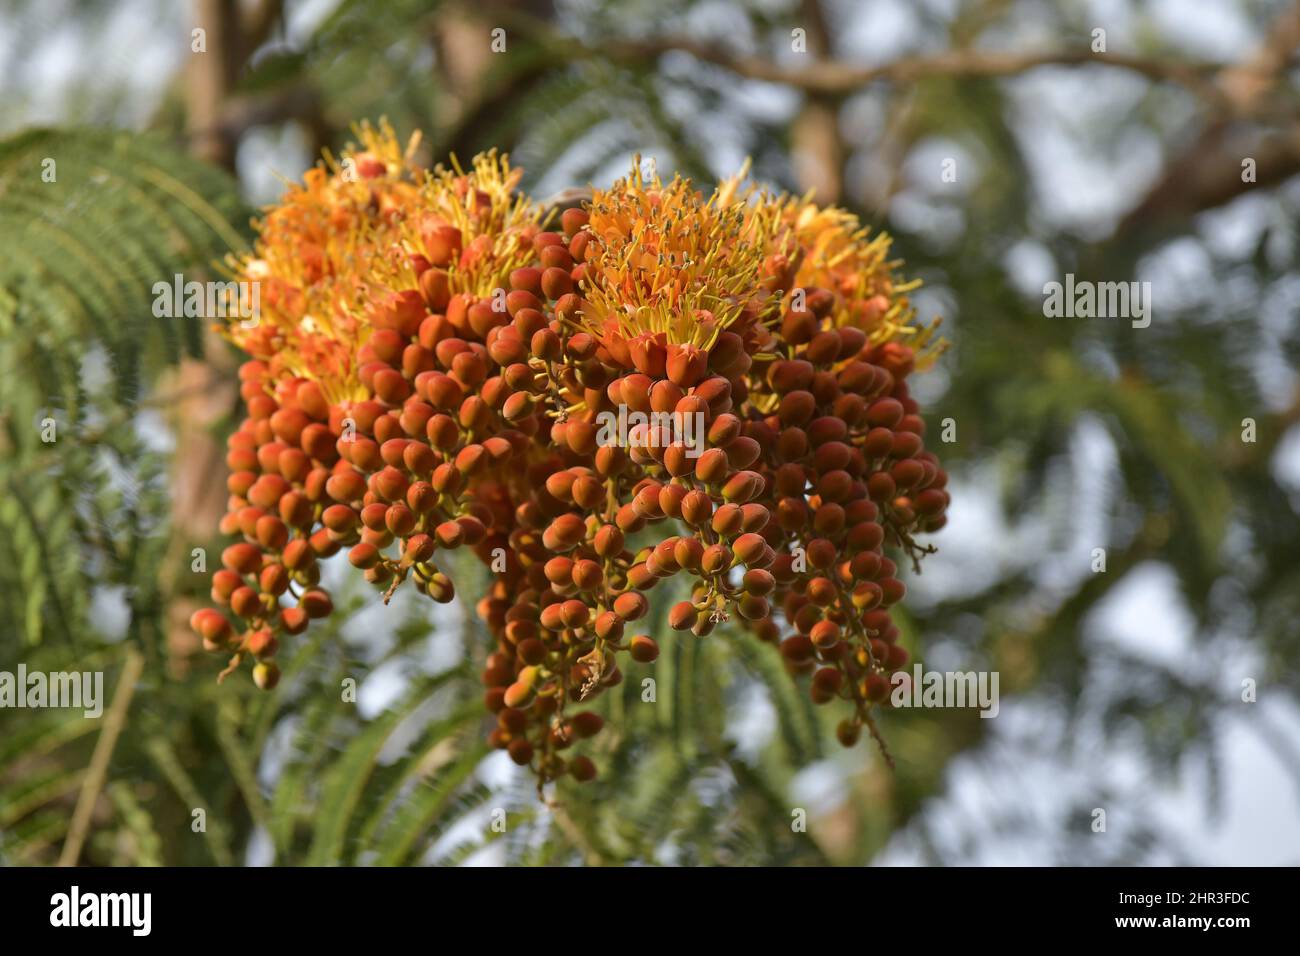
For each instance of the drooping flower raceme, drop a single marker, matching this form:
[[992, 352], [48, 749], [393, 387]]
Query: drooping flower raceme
[[658, 383]]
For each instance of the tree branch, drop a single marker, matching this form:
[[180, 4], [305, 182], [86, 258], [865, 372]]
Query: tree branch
[[1208, 172], [836, 77], [97, 772], [832, 77]]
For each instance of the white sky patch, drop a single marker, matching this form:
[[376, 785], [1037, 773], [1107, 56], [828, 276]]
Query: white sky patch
[[1260, 825], [977, 546], [1145, 615], [268, 156], [938, 222], [1030, 265], [751, 722], [110, 610], [880, 31], [820, 787], [1180, 275], [1234, 230], [1286, 463], [1211, 29], [1011, 803]]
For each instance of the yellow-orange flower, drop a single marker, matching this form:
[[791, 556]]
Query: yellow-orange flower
[[313, 252], [663, 260], [336, 247], [839, 255]]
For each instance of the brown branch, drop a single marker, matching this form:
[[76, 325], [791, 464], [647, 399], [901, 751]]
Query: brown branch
[[211, 76], [1208, 172], [1202, 178], [240, 113], [817, 149], [1246, 84], [840, 78], [97, 772], [834, 77], [300, 102]]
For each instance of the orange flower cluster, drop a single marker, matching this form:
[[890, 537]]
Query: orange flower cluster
[[661, 383]]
